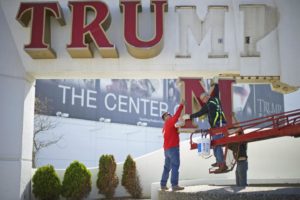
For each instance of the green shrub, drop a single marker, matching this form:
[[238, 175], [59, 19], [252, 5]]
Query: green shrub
[[107, 179], [130, 178], [77, 182], [46, 184]]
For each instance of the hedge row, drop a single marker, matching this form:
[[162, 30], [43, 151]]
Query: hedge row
[[77, 182]]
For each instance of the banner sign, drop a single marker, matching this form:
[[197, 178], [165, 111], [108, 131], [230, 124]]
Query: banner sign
[[254, 101], [128, 101], [141, 101]]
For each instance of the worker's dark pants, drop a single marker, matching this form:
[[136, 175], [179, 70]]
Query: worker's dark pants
[[241, 173]]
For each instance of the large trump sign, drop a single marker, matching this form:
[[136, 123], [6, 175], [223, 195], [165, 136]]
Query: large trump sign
[[91, 20]]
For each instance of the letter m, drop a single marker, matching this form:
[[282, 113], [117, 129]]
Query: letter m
[[212, 26]]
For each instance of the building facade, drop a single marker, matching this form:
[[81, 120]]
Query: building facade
[[133, 39]]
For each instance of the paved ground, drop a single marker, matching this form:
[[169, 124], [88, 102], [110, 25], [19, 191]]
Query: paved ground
[[124, 198], [206, 192]]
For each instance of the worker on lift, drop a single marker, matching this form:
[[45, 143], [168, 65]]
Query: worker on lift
[[212, 107]]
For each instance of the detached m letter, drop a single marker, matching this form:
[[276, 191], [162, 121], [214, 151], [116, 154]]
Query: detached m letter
[[40, 13], [192, 89], [136, 46]]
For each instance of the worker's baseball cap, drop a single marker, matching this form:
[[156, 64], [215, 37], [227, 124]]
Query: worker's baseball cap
[[164, 114]]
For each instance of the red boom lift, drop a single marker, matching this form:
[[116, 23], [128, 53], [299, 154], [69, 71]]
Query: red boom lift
[[278, 125]]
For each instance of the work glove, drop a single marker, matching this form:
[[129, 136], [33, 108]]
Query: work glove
[[214, 81], [179, 123], [186, 116]]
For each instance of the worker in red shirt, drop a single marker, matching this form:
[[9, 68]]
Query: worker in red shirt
[[171, 149]]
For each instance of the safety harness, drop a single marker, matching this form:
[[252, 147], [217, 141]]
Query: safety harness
[[219, 113]]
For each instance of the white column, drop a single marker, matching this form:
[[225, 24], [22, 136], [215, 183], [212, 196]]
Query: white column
[[16, 120]]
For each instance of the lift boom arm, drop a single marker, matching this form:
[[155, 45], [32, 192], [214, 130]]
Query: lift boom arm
[[278, 125]]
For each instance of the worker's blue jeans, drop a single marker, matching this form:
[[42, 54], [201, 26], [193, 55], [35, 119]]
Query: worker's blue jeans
[[172, 163], [218, 151], [241, 173]]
